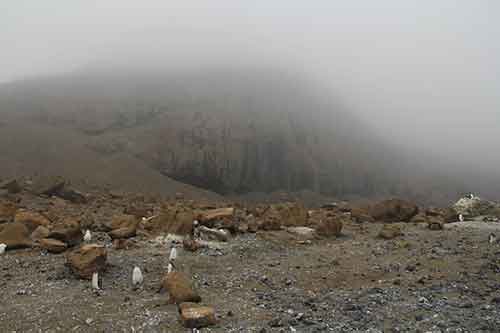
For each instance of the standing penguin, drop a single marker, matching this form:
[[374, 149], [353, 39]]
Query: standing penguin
[[460, 217], [95, 281], [2, 248], [87, 237], [492, 238], [137, 277]]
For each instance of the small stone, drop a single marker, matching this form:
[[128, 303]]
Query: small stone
[[196, 316], [390, 231]]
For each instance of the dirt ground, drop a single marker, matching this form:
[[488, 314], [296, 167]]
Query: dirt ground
[[423, 281]]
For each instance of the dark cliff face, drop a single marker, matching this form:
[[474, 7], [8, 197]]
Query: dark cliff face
[[231, 131]]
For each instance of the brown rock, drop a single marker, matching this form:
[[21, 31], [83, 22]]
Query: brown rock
[[53, 245], [69, 232], [180, 288], [125, 232], [39, 233], [390, 231], [191, 245], [86, 260], [7, 211], [197, 316], [394, 210], [216, 214], [31, 220], [15, 235], [330, 226], [124, 221]]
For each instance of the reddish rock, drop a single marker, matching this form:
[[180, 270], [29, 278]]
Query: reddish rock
[[394, 210], [126, 232], [197, 316], [39, 233], [86, 260], [53, 245], [330, 226], [180, 288], [7, 211], [31, 220], [69, 232], [15, 235]]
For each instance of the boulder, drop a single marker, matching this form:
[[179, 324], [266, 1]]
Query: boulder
[[435, 223], [39, 233], [197, 316], [7, 211], [180, 288], [49, 186], [125, 232], [394, 210], [87, 259], [123, 226], [330, 226], [15, 235], [71, 195], [273, 217], [68, 232], [32, 220], [11, 185], [53, 245], [390, 231], [206, 217]]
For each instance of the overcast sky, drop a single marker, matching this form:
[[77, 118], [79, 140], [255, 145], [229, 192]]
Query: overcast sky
[[426, 73]]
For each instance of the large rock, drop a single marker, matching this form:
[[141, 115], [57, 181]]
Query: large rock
[[273, 217], [394, 210], [86, 260], [32, 220], [7, 211], [11, 185], [197, 316], [435, 223], [215, 214], [68, 232], [39, 233], [390, 231], [49, 186], [15, 235], [360, 215], [475, 206], [330, 226], [123, 226], [180, 288], [53, 245]]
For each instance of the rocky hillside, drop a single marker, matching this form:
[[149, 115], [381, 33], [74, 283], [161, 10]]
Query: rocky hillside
[[229, 131]]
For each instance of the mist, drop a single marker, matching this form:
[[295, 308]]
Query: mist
[[424, 76]]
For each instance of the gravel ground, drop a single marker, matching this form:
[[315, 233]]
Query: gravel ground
[[423, 281]]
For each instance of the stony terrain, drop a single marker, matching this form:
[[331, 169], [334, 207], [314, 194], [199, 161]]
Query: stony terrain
[[276, 279]]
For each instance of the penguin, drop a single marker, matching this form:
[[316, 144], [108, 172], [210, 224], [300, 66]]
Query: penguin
[[95, 281], [137, 277], [492, 238], [2, 248], [87, 237], [460, 217], [173, 254]]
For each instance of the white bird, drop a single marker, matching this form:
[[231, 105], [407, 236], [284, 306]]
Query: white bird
[[2, 248], [95, 281], [87, 237], [170, 268], [492, 238], [173, 254], [137, 277], [460, 217]]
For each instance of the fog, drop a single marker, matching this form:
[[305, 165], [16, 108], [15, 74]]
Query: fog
[[424, 74]]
